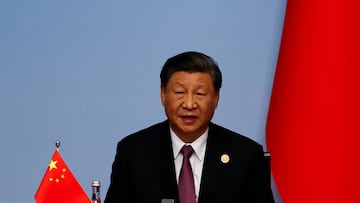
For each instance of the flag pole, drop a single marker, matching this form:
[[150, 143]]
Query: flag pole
[[57, 144]]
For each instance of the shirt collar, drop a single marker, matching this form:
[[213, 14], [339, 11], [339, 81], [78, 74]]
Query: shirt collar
[[199, 145]]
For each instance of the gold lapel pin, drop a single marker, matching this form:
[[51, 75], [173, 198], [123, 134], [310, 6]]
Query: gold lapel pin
[[225, 158]]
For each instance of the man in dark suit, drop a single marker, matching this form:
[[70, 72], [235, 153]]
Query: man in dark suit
[[226, 167]]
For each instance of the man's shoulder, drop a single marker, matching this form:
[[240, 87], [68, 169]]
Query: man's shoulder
[[148, 133], [231, 137]]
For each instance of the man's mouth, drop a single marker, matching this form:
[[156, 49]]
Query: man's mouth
[[189, 118]]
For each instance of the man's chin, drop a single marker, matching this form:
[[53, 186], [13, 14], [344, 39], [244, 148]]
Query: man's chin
[[191, 132]]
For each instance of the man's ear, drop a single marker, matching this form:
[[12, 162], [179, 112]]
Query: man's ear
[[162, 94], [217, 98]]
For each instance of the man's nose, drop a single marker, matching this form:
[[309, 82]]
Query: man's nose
[[189, 102]]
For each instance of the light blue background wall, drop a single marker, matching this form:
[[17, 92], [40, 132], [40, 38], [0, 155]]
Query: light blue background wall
[[87, 73]]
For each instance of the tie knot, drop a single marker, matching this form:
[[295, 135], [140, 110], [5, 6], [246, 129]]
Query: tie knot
[[187, 151]]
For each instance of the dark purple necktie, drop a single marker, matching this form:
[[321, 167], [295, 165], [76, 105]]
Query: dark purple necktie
[[186, 185]]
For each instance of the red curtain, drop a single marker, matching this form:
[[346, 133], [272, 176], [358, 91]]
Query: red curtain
[[313, 126]]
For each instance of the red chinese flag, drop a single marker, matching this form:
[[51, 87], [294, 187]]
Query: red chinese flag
[[313, 126], [59, 185]]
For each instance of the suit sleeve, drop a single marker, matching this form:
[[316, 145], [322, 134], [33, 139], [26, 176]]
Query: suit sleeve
[[119, 189], [259, 189]]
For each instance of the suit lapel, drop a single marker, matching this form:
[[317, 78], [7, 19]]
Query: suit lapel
[[163, 162], [211, 173]]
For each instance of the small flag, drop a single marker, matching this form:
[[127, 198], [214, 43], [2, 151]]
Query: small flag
[[59, 185]]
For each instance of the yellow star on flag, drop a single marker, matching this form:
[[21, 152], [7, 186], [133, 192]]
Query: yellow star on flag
[[52, 165]]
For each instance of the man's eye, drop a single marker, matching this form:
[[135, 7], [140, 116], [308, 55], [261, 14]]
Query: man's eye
[[200, 94], [179, 92]]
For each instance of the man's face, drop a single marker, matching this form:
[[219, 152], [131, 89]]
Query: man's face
[[190, 101]]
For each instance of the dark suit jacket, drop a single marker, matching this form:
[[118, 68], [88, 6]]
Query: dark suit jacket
[[143, 170]]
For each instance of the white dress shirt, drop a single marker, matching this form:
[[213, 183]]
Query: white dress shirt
[[196, 159]]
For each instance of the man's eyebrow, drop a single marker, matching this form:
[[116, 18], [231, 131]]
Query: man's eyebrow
[[179, 83]]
